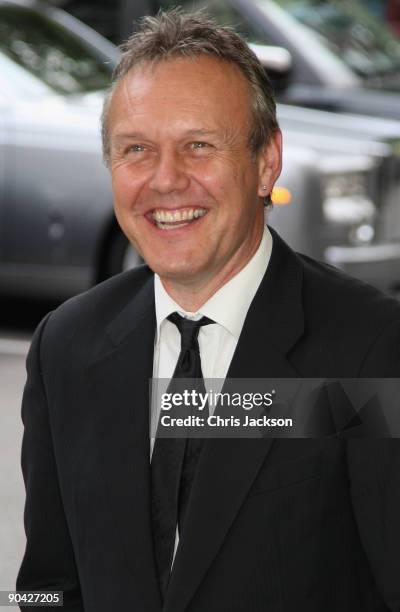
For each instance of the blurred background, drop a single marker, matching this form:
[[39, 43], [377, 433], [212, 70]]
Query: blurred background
[[335, 68]]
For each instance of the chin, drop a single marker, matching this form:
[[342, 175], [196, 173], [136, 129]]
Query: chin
[[180, 271]]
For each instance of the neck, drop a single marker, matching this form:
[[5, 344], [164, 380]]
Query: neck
[[191, 293]]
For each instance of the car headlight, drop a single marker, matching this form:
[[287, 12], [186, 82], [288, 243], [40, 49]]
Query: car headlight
[[346, 201]]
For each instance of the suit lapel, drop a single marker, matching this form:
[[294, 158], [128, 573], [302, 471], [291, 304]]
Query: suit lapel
[[228, 467], [118, 383]]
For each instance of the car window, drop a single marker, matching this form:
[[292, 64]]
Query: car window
[[50, 52], [352, 33], [16, 83]]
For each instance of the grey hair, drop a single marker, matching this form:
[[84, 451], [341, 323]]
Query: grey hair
[[175, 33]]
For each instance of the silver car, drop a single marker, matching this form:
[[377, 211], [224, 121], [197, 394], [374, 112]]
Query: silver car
[[58, 234]]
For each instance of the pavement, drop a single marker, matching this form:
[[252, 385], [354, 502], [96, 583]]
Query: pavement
[[18, 320], [12, 493]]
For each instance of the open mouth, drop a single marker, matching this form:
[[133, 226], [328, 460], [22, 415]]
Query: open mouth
[[175, 219]]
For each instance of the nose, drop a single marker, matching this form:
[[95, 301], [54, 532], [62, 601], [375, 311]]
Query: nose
[[169, 174]]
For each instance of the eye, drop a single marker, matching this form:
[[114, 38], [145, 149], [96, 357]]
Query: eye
[[198, 145], [136, 148]]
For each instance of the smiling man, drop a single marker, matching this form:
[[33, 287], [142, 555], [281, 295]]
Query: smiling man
[[183, 170], [118, 520]]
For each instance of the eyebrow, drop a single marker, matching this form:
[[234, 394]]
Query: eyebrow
[[195, 132], [200, 132], [128, 136]]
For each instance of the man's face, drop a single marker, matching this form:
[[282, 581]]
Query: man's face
[[186, 185]]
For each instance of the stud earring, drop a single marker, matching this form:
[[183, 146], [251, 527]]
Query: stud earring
[[267, 198]]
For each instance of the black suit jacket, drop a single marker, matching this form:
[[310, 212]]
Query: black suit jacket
[[274, 525]]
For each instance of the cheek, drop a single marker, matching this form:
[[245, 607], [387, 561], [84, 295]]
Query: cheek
[[230, 182], [125, 187], [215, 175]]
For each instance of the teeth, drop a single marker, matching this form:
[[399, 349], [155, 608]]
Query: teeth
[[170, 227], [164, 216], [159, 215]]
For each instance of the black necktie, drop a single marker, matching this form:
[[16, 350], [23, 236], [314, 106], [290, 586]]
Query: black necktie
[[174, 460]]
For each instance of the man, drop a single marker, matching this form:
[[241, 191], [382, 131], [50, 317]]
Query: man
[[193, 146]]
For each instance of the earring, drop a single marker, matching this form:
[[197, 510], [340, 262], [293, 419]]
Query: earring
[[267, 198]]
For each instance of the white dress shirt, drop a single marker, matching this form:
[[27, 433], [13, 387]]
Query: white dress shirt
[[227, 307]]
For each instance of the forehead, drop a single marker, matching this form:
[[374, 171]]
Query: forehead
[[183, 90]]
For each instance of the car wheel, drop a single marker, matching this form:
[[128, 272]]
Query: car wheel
[[122, 256]]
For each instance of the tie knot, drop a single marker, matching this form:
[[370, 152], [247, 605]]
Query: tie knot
[[188, 329]]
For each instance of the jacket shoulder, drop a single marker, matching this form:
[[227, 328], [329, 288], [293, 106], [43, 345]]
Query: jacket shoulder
[[353, 328], [349, 300], [84, 317]]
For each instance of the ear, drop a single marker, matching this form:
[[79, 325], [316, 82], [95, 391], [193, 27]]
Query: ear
[[270, 164]]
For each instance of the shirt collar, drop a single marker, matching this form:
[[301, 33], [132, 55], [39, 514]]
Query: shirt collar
[[238, 292]]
